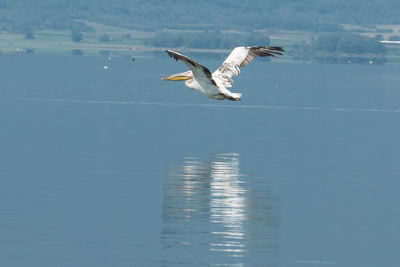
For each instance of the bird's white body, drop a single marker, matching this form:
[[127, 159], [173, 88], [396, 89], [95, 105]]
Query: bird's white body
[[218, 92], [214, 85]]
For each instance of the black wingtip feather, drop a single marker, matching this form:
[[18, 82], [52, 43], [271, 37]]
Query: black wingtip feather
[[267, 51], [277, 48], [172, 54]]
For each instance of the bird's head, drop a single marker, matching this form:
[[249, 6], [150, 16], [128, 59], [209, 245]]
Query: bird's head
[[187, 75]]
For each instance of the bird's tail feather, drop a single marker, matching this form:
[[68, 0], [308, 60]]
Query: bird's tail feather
[[235, 96]]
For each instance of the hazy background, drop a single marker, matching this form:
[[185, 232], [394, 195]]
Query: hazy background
[[310, 30], [310, 15]]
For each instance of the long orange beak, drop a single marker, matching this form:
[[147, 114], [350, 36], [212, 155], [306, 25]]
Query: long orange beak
[[177, 77]]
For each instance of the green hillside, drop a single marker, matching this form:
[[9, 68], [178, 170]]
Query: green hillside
[[310, 15]]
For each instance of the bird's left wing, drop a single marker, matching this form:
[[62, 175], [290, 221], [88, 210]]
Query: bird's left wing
[[200, 72], [240, 57]]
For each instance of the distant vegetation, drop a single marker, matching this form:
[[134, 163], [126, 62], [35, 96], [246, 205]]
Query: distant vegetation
[[341, 47], [309, 30], [328, 47], [210, 40], [348, 43], [104, 38], [76, 36], [309, 15], [29, 34]]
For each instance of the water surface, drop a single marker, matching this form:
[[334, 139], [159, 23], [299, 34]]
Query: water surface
[[118, 168]]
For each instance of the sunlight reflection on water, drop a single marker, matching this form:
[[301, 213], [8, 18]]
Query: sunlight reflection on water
[[210, 209]]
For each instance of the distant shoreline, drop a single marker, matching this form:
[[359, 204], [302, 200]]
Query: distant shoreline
[[60, 43]]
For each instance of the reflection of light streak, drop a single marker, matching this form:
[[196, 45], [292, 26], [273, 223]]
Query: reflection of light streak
[[228, 202], [267, 107], [206, 211]]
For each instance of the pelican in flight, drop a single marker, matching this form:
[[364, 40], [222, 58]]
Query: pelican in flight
[[214, 85]]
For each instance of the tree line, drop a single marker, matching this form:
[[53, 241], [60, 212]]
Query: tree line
[[309, 15], [341, 48], [350, 43], [207, 40]]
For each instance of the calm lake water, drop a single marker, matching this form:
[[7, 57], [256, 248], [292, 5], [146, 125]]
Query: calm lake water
[[114, 167]]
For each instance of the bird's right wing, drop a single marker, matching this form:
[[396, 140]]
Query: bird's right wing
[[240, 57]]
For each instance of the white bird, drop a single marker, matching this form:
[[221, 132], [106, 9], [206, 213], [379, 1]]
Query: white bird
[[214, 85]]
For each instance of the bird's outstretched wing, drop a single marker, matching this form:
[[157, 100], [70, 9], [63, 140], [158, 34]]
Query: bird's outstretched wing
[[240, 57], [200, 72]]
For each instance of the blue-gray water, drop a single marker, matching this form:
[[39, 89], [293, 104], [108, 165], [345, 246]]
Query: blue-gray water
[[118, 168]]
